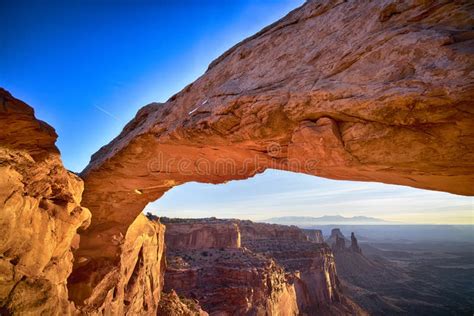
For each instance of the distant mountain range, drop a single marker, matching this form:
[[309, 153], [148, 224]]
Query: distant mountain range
[[326, 220]]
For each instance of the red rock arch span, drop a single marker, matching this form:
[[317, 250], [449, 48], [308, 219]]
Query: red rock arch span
[[344, 90]]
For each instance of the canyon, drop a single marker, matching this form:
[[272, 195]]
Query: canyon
[[276, 270], [391, 103]]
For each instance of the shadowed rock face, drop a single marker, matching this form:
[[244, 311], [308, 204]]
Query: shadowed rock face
[[357, 90], [40, 213]]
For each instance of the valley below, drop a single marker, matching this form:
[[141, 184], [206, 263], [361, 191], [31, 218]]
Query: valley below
[[238, 267]]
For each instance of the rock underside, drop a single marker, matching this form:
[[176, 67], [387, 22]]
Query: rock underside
[[389, 102]]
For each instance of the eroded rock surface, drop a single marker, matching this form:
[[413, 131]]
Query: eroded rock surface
[[358, 90], [314, 235], [226, 280], [172, 305], [200, 234], [310, 265], [131, 286], [40, 214], [298, 275]]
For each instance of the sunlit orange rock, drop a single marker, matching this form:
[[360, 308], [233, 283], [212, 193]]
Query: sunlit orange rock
[[40, 214], [367, 91]]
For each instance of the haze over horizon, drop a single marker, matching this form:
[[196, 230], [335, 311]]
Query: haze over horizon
[[99, 67]]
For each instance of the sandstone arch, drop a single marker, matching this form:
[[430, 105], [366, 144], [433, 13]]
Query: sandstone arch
[[371, 91]]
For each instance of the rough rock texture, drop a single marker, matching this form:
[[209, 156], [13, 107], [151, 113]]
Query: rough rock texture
[[133, 285], [309, 284], [227, 280], [231, 282], [40, 214], [359, 90], [199, 234], [314, 235], [311, 266], [172, 305]]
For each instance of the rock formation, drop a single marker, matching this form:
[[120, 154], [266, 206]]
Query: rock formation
[[133, 285], [231, 282], [265, 231], [172, 305], [200, 234], [391, 102], [302, 273], [340, 244], [311, 266], [314, 235], [40, 214], [354, 244], [226, 280], [336, 239]]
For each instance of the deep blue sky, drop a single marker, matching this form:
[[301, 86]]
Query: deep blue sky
[[88, 66]]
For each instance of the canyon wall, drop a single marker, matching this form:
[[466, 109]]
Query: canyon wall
[[131, 286], [199, 234], [315, 235], [40, 214], [390, 102], [225, 278], [277, 259], [311, 264]]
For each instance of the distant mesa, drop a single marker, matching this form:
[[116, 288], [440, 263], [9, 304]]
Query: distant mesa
[[306, 221], [337, 241]]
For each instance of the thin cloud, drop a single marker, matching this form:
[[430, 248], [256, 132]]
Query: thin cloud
[[106, 112]]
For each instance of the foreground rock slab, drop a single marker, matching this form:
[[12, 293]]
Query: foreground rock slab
[[40, 214]]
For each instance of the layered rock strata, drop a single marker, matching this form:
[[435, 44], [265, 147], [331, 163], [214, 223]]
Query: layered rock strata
[[200, 234], [131, 286], [311, 266], [390, 102], [314, 235], [302, 273], [223, 277], [232, 281], [40, 214]]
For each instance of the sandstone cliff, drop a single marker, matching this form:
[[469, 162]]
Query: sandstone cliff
[[314, 235], [225, 279], [300, 274], [231, 282], [172, 305], [131, 286], [40, 214], [200, 234], [312, 268], [358, 90]]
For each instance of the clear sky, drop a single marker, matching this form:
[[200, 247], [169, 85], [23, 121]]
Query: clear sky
[[88, 66]]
